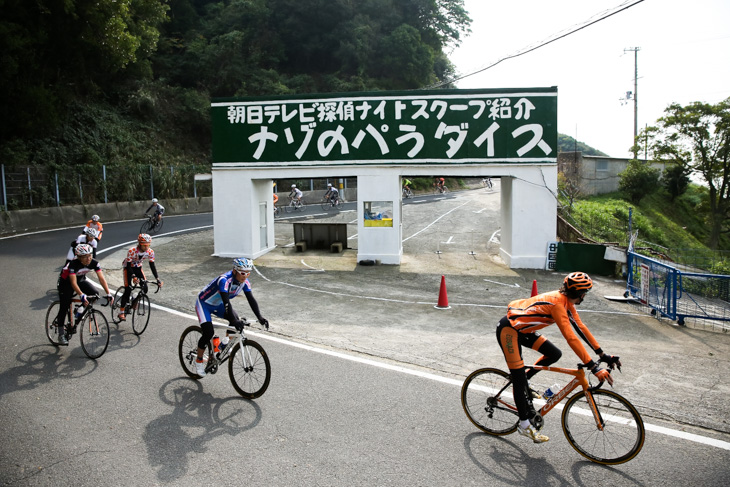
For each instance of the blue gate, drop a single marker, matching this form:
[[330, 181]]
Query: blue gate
[[678, 294]]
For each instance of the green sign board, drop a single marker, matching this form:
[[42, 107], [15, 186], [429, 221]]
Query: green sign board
[[412, 127]]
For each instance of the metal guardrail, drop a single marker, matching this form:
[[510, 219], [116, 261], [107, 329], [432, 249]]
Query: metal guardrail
[[678, 294]]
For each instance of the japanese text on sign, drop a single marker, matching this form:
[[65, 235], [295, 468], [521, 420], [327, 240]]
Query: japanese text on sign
[[446, 126]]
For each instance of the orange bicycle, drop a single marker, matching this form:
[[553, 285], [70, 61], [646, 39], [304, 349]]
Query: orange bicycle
[[601, 425]]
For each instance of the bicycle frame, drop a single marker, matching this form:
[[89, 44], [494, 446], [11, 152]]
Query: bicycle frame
[[579, 380], [236, 337]]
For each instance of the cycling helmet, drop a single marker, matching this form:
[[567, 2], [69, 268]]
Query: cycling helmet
[[90, 232], [329, 185], [95, 218], [576, 284], [144, 238], [293, 185], [83, 249], [243, 265]]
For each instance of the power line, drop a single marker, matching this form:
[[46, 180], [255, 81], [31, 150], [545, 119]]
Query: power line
[[588, 23]]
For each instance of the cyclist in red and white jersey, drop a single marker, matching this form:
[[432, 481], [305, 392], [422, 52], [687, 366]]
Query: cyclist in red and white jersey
[[133, 268]]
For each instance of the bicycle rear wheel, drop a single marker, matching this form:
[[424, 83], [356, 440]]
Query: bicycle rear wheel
[[141, 314], [250, 371], [51, 325], [487, 399], [94, 334], [116, 305], [187, 350], [621, 437], [158, 226]]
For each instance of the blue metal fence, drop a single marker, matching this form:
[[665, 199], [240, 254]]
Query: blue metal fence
[[679, 294]]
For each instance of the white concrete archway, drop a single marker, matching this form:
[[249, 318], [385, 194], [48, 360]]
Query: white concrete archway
[[244, 220]]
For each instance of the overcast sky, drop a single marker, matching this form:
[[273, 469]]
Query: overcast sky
[[684, 56]]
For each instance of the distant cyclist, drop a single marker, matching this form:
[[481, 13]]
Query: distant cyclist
[[440, 184], [96, 225], [215, 299], [332, 194], [159, 209], [132, 265], [407, 186], [73, 280], [295, 194], [519, 328]]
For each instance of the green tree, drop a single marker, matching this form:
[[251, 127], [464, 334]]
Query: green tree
[[697, 136], [675, 180], [638, 180]]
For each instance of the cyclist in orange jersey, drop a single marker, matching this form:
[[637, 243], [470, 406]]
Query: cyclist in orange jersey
[[96, 225], [519, 328]]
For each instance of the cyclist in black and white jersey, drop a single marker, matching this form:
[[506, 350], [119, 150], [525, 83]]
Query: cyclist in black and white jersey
[[332, 194], [73, 280], [159, 209]]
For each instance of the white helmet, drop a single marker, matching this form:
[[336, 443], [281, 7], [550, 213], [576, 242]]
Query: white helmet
[[95, 218], [90, 232], [154, 200], [83, 249], [293, 185], [329, 185], [243, 265]]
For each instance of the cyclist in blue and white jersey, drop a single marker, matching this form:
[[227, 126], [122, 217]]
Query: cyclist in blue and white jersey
[[215, 299], [295, 193]]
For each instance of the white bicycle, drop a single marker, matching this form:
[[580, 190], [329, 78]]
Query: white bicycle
[[248, 365]]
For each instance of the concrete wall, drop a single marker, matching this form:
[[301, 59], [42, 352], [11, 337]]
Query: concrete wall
[[21, 221], [595, 174]]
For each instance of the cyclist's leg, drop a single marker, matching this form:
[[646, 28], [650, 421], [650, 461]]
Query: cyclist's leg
[[509, 342], [127, 275], [550, 353], [65, 294]]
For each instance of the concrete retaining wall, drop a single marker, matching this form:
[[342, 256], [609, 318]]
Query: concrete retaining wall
[[21, 221]]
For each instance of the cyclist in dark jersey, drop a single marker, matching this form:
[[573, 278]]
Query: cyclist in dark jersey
[[519, 328], [73, 280]]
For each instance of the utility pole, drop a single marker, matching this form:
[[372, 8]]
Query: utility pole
[[636, 95]]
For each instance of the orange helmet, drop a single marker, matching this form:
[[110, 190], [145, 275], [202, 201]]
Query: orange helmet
[[576, 284]]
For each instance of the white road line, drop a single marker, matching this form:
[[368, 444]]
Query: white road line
[[433, 222]]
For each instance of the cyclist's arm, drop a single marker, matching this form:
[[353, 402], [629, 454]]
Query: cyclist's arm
[[153, 268], [582, 331], [75, 284], [226, 300], [102, 281], [560, 315], [148, 209], [254, 305]]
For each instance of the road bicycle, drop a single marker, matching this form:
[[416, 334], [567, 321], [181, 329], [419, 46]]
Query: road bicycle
[[330, 204], [407, 193], [277, 211], [248, 365], [138, 306], [152, 225], [601, 425], [440, 189], [91, 324], [294, 205], [487, 183]]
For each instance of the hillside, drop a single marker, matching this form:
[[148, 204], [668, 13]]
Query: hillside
[[677, 229]]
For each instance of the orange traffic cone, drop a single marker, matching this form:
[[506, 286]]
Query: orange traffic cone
[[534, 288], [443, 298]]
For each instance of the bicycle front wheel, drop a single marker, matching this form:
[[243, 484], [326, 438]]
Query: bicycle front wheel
[[326, 205], [249, 369], [622, 434], [94, 334], [52, 331], [487, 399], [116, 304], [187, 350], [141, 315]]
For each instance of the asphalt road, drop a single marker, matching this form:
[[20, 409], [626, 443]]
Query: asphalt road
[[365, 390]]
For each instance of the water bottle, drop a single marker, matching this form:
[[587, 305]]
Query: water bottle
[[78, 311], [551, 391], [216, 343]]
